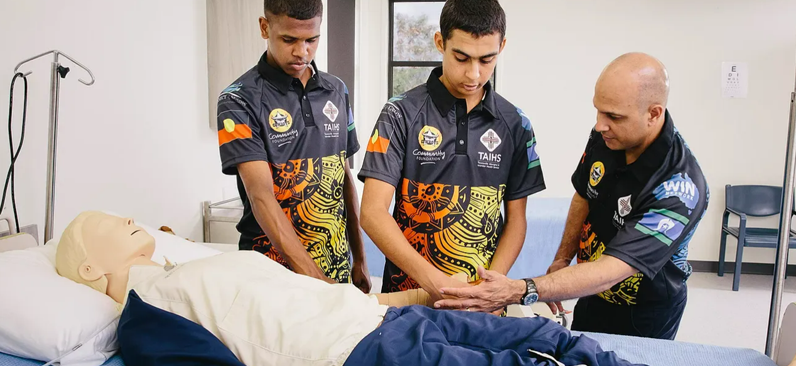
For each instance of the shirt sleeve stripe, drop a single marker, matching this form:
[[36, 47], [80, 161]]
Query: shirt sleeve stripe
[[672, 214], [654, 234]]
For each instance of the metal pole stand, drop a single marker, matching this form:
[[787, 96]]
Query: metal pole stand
[[56, 73], [784, 234]]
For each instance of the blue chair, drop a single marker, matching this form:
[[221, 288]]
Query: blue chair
[[744, 201]]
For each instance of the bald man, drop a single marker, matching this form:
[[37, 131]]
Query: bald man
[[640, 195]]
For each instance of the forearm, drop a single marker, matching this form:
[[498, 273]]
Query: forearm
[[280, 232], [352, 220], [570, 241], [509, 245], [385, 233], [581, 280]]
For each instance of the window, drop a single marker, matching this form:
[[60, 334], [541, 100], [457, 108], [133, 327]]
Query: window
[[412, 53]]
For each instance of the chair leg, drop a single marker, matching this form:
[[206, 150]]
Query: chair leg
[[736, 279], [722, 254]]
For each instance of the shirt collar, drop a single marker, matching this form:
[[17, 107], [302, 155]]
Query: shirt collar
[[651, 159], [139, 274], [444, 100], [284, 82]]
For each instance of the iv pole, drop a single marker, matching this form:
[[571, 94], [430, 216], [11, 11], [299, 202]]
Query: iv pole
[[784, 234], [57, 72]]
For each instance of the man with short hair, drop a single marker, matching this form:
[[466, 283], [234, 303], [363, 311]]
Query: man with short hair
[[451, 152], [640, 195], [285, 130]]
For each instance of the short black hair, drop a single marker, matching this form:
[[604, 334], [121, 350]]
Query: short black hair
[[296, 9], [477, 17]]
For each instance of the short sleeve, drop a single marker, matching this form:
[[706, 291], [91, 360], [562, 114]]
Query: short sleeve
[[654, 232], [352, 144], [239, 138], [581, 175], [525, 176], [384, 158]]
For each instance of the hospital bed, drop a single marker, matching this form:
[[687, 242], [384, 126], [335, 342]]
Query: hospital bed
[[545, 220], [652, 352]]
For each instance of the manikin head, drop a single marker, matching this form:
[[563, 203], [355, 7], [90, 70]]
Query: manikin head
[[96, 245]]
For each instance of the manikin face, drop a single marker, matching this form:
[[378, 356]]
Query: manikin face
[[113, 243]]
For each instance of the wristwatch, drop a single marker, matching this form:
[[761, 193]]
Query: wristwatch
[[531, 295]]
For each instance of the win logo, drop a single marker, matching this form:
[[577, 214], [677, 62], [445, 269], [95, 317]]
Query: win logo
[[681, 186]]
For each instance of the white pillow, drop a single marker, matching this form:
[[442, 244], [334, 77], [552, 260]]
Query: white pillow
[[44, 316]]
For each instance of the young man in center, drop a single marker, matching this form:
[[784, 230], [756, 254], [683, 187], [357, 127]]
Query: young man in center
[[451, 152], [285, 130]]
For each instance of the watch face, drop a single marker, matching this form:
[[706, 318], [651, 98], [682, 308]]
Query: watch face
[[531, 299]]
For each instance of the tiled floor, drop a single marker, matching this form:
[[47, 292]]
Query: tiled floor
[[717, 315]]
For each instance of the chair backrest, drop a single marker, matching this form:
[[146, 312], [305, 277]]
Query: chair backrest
[[754, 200]]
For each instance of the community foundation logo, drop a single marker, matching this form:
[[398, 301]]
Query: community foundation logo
[[280, 120], [597, 173], [430, 138]]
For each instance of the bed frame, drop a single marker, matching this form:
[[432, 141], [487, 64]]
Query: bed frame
[[219, 220]]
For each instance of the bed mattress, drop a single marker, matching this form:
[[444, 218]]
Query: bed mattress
[[8, 360]]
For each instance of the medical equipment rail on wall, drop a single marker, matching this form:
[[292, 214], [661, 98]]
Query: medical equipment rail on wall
[[784, 233], [57, 72]]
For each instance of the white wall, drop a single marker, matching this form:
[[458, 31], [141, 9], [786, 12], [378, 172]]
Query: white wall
[[556, 50], [137, 141]]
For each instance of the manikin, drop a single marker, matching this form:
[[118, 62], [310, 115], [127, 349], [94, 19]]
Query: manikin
[[268, 315]]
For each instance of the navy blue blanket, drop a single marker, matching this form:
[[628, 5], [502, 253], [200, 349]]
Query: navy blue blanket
[[418, 335]]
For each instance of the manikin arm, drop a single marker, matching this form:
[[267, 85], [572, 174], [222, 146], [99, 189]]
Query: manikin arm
[[414, 297], [406, 298]]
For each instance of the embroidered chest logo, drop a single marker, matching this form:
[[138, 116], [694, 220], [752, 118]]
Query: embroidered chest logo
[[597, 172], [280, 120], [491, 140], [330, 111], [624, 205], [430, 138]]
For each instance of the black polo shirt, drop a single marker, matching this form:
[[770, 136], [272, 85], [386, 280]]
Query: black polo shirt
[[452, 170], [644, 214], [305, 134]]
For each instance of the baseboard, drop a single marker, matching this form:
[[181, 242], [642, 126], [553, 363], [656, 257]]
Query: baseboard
[[746, 268]]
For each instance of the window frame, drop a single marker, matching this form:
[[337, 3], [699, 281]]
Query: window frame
[[392, 64]]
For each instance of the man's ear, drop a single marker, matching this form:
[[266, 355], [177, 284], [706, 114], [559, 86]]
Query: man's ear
[[264, 27], [439, 42], [502, 45], [656, 111], [90, 273]]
